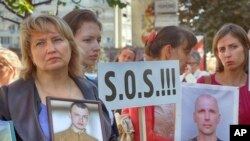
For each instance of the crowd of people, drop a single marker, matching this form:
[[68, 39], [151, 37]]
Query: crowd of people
[[57, 52]]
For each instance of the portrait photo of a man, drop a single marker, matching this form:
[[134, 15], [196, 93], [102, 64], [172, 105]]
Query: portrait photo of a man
[[75, 120], [79, 114], [205, 114]]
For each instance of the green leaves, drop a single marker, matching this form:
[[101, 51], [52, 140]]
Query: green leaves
[[113, 3], [207, 16], [20, 6]]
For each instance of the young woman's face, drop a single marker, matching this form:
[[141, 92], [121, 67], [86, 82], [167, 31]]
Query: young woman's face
[[126, 55], [88, 38], [50, 51], [231, 52]]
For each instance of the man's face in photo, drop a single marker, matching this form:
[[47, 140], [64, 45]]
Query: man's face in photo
[[207, 115], [79, 117]]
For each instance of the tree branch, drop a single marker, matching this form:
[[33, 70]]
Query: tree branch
[[16, 22], [11, 10], [41, 3]]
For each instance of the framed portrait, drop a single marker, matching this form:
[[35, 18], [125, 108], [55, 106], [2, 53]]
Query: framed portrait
[[208, 109], [75, 119]]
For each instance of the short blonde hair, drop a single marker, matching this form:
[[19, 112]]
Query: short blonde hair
[[40, 23], [12, 60]]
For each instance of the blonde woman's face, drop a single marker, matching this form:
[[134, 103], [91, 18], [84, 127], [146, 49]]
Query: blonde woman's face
[[50, 51]]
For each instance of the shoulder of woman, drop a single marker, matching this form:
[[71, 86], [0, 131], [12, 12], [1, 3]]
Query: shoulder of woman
[[12, 95], [83, 81], [20, 86], [87, 87]]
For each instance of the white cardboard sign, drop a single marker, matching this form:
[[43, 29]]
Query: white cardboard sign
[[137, 84]]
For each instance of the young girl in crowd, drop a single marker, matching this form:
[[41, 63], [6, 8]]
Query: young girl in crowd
[[126, 54], [87, 34], [170, 43], [231, 46]]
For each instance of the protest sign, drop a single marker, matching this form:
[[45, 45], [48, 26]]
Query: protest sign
[[137, 84]]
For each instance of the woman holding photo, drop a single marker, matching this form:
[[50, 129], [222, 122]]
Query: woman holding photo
[[51, 68], [231, 46]]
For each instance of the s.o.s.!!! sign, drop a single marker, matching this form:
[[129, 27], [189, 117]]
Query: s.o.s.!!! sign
[[136, 84]]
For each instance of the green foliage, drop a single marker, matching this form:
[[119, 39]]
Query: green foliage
[[62, 3], [113, 3], [207, 16], [20, 6]]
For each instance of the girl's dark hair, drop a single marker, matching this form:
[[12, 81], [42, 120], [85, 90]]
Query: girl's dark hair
[[172, 35], [77, 17]]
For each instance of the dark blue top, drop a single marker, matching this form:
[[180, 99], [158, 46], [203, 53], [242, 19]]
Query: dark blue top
[[43, 120]]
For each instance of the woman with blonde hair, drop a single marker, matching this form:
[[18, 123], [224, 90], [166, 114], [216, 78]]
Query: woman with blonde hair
[[51, 68], [9, 66]]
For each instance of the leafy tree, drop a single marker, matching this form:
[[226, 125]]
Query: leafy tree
[[21, 8], [113, 3], [207, 16], [24, 8]]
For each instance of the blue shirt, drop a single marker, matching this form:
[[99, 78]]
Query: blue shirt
[[44, 122]]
